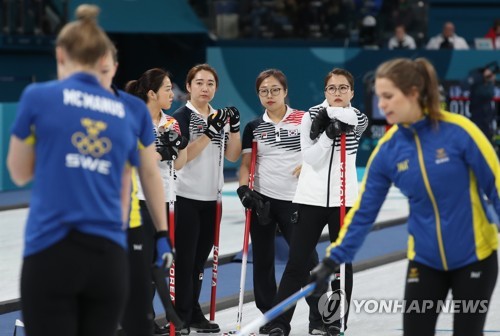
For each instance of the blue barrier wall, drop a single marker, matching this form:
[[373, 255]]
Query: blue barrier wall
[[305, 68], [7, 114], [18, 69], [145, 16]]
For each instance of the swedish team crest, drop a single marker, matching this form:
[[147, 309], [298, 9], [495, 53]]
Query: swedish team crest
[[441, 156]]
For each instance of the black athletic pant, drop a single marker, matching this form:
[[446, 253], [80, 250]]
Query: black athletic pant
[[263, 238], [194, 239], [474, 282], [138, 315], [312, 220], [76, 287], [149, 232]]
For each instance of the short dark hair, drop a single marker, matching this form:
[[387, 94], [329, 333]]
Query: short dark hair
[[341, 72], [278, 74], [197, 68]]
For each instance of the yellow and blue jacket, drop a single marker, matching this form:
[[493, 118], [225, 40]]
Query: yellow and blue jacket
[[451, 176]]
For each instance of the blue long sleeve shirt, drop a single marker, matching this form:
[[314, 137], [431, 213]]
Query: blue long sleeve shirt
[[450, 174]]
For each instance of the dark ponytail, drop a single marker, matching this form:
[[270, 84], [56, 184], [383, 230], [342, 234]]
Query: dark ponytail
[[152, 79], [132, 87]]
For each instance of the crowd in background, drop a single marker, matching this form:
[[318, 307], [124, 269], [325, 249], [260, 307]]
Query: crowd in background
[[371, 24], [33, 17]]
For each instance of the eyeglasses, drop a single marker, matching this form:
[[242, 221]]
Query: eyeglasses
[[331, 89], [265, 92]]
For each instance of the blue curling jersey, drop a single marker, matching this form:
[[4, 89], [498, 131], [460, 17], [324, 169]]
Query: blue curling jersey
[[140, 118], [446, 171], [83, 139]]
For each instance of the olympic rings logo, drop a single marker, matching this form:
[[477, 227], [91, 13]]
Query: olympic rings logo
[[90, 143]]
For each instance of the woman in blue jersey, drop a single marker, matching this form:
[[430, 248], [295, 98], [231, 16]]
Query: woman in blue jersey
[[197, 187], [138, 317], [154, 87], [318, 189], [278, 165], [74, 139], [449, 171]]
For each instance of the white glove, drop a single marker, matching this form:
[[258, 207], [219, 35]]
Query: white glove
[[345, 114]]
